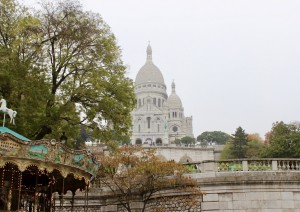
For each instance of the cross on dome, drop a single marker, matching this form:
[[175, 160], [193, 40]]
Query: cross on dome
[[149, 52], [173, 87]]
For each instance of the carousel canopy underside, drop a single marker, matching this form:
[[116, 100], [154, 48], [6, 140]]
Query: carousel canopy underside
[[31, 171]]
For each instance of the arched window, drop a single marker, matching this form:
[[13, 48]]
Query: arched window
[[138, 141], [140, 102], [154, 101], [148, 120], [139, 128], [175, 129], [158, 102], [158, 142], [158, 128]]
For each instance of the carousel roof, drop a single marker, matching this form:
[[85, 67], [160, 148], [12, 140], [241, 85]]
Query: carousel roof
[[47, 155], [9, 131]]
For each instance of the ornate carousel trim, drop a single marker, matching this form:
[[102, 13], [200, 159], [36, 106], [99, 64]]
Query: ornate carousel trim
[[47, 154]]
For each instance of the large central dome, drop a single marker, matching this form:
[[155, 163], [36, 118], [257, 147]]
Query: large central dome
[[149, 72]]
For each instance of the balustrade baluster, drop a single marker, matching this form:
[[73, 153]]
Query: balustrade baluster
[[256, 165], [279, 165], [297, 165], [286, 165]]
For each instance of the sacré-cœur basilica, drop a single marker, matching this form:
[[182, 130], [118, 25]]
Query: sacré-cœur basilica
[[158, 119]]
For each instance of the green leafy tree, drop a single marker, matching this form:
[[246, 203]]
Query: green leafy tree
[[239, 142], [237, 146], [73, 71], [187, 140], [227, 151], [177, 141], [204, 143], [254, 146], [217, 137], [283, 141], [22, 83]]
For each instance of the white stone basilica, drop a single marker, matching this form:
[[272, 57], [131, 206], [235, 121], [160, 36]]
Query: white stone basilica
[[157, 118]]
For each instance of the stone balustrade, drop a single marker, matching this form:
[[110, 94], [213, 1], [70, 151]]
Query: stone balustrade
[[244, 165], [243, 185]]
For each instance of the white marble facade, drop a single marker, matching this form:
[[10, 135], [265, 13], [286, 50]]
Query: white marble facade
[[158, 119]]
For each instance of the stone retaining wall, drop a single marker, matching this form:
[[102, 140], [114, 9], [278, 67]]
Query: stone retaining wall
[[229, 186], [251, 192], [173, 204]]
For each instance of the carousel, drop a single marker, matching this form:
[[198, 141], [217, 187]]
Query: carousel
[[34, 173]]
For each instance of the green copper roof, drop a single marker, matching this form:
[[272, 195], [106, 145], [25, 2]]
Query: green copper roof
[[6, 130]]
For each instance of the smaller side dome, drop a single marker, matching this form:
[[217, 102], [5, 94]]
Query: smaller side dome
[[174, 101]]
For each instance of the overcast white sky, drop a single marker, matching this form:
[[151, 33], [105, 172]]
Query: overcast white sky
[[235, 62]]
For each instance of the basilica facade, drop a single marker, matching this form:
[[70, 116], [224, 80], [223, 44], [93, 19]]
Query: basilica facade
[[158, 119]]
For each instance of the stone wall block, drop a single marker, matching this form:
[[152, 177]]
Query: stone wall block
[[239, 196], [210, 206], [211, 198], [297, 205], [224, 205], [256, 204], [252, 210], [296, 195], [271, 210], [275, 204], [225, 197], [288, 204], [254, 195], [289, 210], [240, 204], [287, 195], [272, 195]]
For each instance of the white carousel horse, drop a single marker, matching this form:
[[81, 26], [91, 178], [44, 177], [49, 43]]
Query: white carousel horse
[[12, 114], [3, 105]]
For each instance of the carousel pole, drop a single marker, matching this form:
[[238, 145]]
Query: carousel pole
[[4, 186], [85, 199], [9, 198], [51, 198], [2, 180], [20, 189], [35, 209], [87, 195], [4, 120], [72, 201], [62, 195]]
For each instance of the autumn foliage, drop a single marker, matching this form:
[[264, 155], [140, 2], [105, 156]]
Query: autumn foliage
[[136, 174]]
